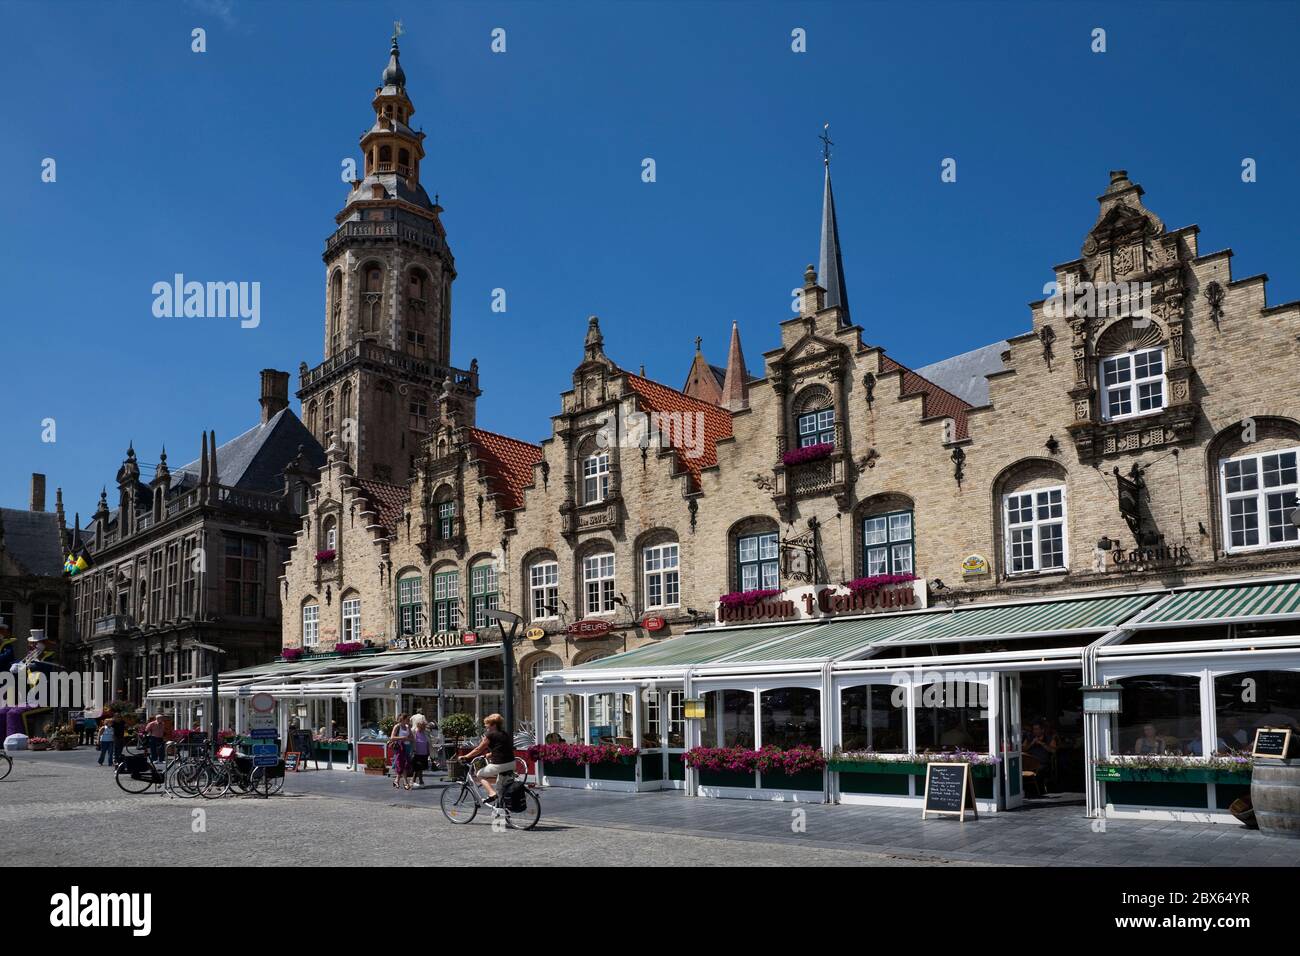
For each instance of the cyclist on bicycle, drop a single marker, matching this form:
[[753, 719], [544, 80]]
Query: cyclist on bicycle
[[500, 750]]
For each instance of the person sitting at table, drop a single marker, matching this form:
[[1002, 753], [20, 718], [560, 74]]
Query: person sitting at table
[[955, 737], [1040, 743], [1150, 742]]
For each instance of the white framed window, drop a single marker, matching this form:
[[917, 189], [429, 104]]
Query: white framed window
[[1259, 496], [888, 543], [310, 625], [410, 604], [331, 536], [446, 601], [817, 428], [352, 619], [1132, 384], [662, 576], [446, 520], [484, 592], [598, 583], [1035, 530], [595, 478], [757, 561], [544, 589]]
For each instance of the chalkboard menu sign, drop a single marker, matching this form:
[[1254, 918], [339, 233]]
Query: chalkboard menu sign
[[948, 790], [1271, 742]]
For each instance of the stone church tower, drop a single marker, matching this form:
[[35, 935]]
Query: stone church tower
[[388, 276]]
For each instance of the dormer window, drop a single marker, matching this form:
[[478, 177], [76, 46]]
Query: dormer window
[[817, 428], [1133, 384]]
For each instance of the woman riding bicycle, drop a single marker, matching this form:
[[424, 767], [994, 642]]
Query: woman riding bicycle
[[500, 750]]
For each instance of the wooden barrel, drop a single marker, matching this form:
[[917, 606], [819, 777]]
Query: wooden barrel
[[1275, 792]]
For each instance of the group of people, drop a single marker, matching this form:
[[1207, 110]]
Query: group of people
[[1232, 738], [111, 736], [414, 742]]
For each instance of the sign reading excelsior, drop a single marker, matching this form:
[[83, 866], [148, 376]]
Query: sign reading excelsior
[[817, 601]]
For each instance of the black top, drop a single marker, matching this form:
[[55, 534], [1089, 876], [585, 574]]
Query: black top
[[501, 748]]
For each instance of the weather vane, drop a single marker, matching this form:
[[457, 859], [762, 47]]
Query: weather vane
[[397, 29], [825, 137]]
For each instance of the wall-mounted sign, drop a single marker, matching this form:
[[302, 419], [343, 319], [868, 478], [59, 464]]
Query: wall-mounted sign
[[535, 633], [436, 642], [589, 628], [974, 565], [818, 601], [1150, 559], [469, 637], [1103, 699], [1271, 742], [653, 622], [693, 708]]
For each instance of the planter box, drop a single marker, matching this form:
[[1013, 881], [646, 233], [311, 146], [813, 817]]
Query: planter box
[[727, 778], [806, 780], [623, 769], [652, 767], [978, 771], [1196, 775], [563, 768], [888, 784]]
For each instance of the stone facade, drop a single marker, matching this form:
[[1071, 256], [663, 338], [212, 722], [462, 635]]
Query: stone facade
[[34, 594], [1023, 470]]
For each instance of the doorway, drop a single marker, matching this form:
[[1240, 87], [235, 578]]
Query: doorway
[[1051, 718]]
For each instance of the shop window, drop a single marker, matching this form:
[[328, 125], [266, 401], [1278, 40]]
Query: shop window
[[609, 719], [410, 603], [491, 673], [1244, 702], [595, 478], [662, 576], [484, 592], [446, 601], [665, 726], [1161, 715], [351, 619], [598, 583], [1259, 497], [459, 677], [758, 561], [888, 543], [1132, 384], [791, 717], [728, 719], [544, 590], [1035, 530], [952, 715], [310, 625], [561, 715], [817, 428], [874, 717]]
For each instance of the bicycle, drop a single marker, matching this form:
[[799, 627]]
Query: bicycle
[[235, 771], [6, 764], [136, 767], [461, 804]]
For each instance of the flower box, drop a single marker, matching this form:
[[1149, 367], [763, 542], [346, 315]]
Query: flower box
[[802, 780], [568, 769], [801, 456], [623, 769], [877, 581], [727, 778], [747, 598], [1111, 773], [326, 555], [914, 765]]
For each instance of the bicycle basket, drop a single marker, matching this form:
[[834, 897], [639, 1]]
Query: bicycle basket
[[457, 770]]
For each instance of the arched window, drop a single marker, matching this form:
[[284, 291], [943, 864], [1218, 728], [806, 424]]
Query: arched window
[[888, 536], [484, 591], [1131, 372], [410, 602], [404, 159], [661, 567], [756, 554], [544, 590], [815, 417], [385, 156], [1259, 499], [446, 600], [328, 420], [336, 311], [595, 477], [351, 610], [310, 623], [444, 507], [329, 535], [598, 583], [1031, 498]]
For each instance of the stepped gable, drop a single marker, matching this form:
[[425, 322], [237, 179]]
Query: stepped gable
[[388, 500], [508, 464], [936, 402], [656, 397]]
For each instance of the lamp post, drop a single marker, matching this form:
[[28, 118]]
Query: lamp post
[[508, 663], [213, 651]]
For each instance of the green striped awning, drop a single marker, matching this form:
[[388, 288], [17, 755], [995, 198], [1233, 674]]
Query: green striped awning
[[698, 648], [837, 640], [1087, 615], [1233, 605]]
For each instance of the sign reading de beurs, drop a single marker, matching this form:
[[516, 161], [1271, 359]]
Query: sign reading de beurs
[[818, 601]]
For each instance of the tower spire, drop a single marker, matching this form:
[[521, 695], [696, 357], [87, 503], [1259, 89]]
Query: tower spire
[[735, 385], [830, 271]]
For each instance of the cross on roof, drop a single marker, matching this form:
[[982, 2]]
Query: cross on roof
[[825, 137]]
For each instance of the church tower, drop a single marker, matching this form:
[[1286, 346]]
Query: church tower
[[388, 276]]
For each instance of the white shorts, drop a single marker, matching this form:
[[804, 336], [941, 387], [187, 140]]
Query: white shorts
[[496, 769]]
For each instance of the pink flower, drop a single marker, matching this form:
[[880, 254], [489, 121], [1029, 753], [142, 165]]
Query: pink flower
[[799, 456], [747, 598]]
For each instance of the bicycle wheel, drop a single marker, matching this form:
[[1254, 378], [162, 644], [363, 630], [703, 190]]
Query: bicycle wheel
[[131, 783], [458, 805], [218, 781], [528, 817], [6, 764], [186, 780]]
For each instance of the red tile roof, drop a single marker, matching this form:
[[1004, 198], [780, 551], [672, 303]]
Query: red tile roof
[[691, 457], [508, 463], [389, 500], [935, 401]]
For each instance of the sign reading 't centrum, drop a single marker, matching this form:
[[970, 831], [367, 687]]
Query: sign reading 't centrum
[[817, 601]]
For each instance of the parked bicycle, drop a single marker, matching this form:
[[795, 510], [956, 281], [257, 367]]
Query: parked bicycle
[[460, 804], [235, 772], [6, 764]]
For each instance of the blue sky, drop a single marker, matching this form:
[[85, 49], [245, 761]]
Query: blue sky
[[226, 166]]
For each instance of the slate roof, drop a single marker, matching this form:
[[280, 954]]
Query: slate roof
[[32, 539], [656, 397], [389, 500], [508, 463], [964, 375], [255, 460]]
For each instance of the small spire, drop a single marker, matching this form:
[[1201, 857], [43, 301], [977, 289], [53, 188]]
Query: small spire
[[831, 265], [393, 74], [735, 384]]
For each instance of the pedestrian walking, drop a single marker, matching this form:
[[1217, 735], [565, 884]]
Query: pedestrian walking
[[401, 763], [106, 748], [156, 737], [421, 748]]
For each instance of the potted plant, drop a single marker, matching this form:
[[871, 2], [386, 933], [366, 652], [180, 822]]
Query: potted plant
[[326, 555], [64, 741], [38, 743], [801, 456], [376, 767], [456, 727]]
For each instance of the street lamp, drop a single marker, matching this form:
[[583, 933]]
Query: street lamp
[[508, 669], [213, 651]]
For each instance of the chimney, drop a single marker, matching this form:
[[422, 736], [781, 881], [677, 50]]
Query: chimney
[[275, 393], [38, 492]]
